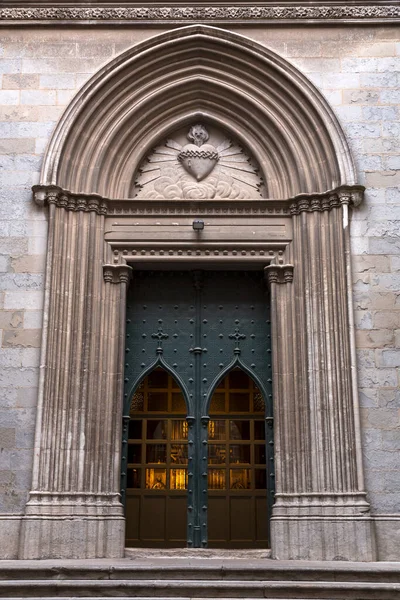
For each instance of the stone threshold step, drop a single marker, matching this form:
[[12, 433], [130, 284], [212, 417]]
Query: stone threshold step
[[206, 570], [218, 553], [201, 589]]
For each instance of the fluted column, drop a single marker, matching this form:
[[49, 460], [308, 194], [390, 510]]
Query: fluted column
[[74, 508], [321, 511]]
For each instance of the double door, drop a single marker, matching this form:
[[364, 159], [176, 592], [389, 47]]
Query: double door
[[198, 430]]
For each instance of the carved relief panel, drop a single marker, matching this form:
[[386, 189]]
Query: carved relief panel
[[201, 162]]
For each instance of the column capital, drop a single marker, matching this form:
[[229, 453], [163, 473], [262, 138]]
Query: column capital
[[117, 273]]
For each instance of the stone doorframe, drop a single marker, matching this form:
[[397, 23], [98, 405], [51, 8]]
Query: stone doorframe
[[96, 240]]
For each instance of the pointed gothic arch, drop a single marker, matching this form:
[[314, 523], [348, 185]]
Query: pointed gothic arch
[[98, 235]]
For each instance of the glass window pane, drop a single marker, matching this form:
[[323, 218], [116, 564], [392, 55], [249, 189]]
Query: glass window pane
[[178, 479], [156, 453], [216, 479], [260, 454], [156, 479], [137, 404], [239, 479], [260, 479], [156, 430], [217, 403], [239, 453], [259, 430], [216, 454], [158, 379], [135, 430], [179, 429], [134, 453], [239, 380], [179, 454], [157, 401], [239, 402], [216, 430], [258, 401], [134, 477], [178, 403], [239, 430]]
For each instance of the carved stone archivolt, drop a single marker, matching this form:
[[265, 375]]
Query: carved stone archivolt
[[300, 235]]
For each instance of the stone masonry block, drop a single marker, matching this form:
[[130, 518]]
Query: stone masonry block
[[395, 263], [393, 195], [31, 300], [390, 96], [17, 376], [387, 281], [27, 397], [381, 145], [359, 65], [9, 97], [379, 80], [15, 146], [389, 398], [57, 82], [367, 263], [349, 112], [26, 129], [363, 130], [360, 97], [33, 319], [391, 440], [389, 357], [366, 358], [392, 162], [11, 66], [7, 437], [383, 178], [386, 64], [340, 80], [92, 50], [38, 97], [47, 66], [20, 82], [380, 113], [28, 264], [387, 245], [391, 129], [38, 49], [368, 398], [371, 438], [22, 338], [370, 378], [26, 281]]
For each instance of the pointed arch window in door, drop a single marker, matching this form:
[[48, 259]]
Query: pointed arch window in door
[[157, 474], [237, 477]]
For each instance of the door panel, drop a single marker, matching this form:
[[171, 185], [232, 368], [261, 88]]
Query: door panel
[[199, 326]]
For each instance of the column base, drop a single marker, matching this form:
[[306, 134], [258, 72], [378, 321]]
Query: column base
[[327, 527], [72, 526]]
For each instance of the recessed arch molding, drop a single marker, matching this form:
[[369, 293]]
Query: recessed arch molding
[[297, 233]]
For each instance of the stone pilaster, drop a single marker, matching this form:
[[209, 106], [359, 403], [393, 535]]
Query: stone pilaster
[[74, 508], [321, 511]]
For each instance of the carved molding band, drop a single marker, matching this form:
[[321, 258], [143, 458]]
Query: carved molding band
[[188, 14], [71, 201]]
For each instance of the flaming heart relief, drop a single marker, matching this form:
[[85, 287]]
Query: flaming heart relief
[[198, 170], [198, 158]]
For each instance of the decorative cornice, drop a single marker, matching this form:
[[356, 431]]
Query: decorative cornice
[[239, 12], [53, 194]]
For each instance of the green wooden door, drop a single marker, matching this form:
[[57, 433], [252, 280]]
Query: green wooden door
[[199, 326]]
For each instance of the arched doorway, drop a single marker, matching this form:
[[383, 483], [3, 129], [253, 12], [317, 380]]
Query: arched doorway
[[203, 336], [297, 232]]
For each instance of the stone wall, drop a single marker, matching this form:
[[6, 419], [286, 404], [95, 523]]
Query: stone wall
[[358, 70]]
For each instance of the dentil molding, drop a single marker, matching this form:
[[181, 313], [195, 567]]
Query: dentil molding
[[240, 12]]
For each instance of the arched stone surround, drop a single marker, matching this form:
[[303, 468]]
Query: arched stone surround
[[98, 233]]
